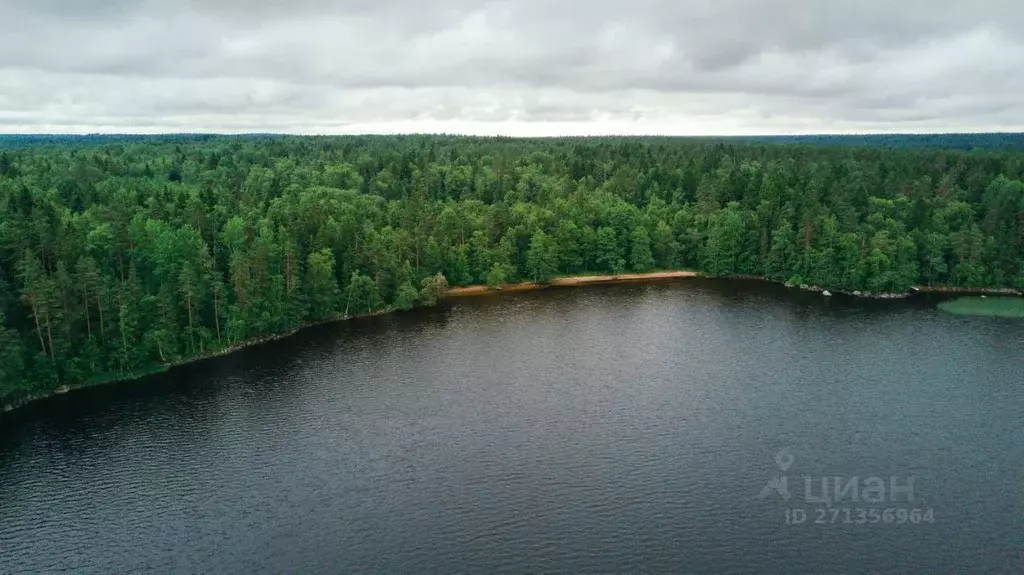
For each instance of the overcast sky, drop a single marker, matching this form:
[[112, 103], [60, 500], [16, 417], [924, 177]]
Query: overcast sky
[[516, 67]]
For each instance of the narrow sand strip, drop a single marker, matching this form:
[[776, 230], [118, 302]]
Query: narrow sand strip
[[571, 281]]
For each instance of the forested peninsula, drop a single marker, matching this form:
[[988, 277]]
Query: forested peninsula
[[120, 256]]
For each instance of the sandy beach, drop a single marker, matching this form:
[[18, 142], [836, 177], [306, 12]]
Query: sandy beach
[[570, 282]]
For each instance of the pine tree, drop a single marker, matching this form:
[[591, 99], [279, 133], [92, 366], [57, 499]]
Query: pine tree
[[321, 285]]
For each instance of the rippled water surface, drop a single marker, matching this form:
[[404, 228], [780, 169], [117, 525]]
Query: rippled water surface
[[601, 429]]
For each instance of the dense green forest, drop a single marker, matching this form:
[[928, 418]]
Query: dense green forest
[[118, 255]]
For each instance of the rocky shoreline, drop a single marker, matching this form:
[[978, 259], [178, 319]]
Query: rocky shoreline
[[968, 290], [827, 292], [855, 293]]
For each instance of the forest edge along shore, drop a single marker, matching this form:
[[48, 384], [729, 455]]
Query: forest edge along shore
[[576, 281], [472, 290], [121, 256]]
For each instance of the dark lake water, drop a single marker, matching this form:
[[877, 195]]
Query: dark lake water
[[601, 429]]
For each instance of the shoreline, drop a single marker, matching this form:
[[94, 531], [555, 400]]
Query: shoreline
[[574, 281], [914, 290], [161, 368], [476, 290], [571, 281], [155, 369], [967, 290]]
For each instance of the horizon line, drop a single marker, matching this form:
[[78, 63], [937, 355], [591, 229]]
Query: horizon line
[[471, 135]]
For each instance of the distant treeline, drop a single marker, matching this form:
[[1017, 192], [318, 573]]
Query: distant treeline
[[12, 141], [122, 253], [951, 141], [990, 141]]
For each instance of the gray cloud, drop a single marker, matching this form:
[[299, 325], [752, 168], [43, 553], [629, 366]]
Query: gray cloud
[[513, 66]]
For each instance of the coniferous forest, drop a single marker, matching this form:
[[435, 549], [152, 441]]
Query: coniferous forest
[[119, 255]]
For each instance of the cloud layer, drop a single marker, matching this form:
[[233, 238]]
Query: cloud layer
[[519, 67]]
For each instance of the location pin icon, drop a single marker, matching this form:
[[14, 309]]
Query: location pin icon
[[784, 459]]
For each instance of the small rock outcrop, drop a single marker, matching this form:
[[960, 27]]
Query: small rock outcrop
[[826, 293]]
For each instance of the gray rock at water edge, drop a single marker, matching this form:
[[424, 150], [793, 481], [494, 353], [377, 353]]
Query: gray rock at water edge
[[826, 293], [891, 295], [857, 294], [804, 286]]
